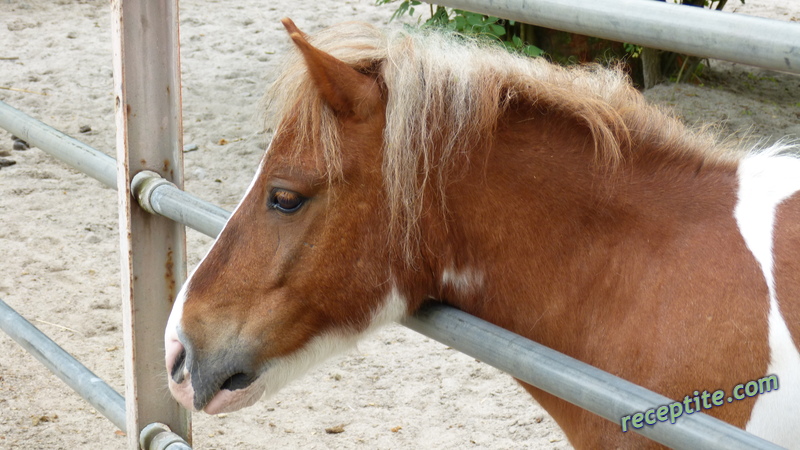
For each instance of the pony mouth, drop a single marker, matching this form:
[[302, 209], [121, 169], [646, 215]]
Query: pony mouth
[[228, 400], [229, 394], [238, 381]]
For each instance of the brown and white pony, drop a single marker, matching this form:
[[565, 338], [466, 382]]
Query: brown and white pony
[[553, 202]]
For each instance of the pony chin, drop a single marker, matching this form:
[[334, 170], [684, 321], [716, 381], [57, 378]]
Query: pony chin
[[283, 370]]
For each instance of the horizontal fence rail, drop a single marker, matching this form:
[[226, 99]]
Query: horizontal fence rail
[[94, 390], [156, 195], [577, 382], [590, 388], [74, 153], [755, 41]]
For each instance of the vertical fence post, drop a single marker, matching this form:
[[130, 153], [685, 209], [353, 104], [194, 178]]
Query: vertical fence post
[[147, 92]]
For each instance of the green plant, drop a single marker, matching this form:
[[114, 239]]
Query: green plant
[[633, 50], [469, 24]]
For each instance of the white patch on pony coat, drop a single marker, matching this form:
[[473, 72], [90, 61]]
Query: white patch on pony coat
[[464, 282], [765, 180], [285, 369]]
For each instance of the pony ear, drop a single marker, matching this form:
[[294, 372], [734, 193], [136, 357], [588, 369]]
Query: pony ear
[[346, 90]]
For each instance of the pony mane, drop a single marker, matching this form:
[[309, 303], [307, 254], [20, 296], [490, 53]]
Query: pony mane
[[445, 94]]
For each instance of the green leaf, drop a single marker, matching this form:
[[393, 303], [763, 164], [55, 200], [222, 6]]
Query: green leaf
[[475, 19], [400, 11], [497, 30], [533, 51]]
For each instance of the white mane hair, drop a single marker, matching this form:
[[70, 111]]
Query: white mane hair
[[445, 94]]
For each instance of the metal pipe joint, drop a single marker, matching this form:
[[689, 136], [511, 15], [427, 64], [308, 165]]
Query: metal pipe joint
[[158, 436], [143, 185]]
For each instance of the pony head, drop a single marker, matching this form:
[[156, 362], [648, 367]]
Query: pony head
[[301, 270]]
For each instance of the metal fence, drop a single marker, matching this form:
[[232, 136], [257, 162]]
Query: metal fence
[[759, 42], [558, 374]]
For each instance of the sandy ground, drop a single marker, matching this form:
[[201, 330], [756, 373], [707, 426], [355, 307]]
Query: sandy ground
[[58, 234]]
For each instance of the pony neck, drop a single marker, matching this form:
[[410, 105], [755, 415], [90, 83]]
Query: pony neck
[[541, 240]]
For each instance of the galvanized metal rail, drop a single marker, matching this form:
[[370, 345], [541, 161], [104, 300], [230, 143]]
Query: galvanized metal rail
[[94, 390], [574, 381], [755, 41], [565, 377]]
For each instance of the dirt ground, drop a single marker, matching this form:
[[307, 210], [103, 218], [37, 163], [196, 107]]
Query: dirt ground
[[59, 240]]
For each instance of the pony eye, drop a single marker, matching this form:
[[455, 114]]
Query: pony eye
[[285, 201]]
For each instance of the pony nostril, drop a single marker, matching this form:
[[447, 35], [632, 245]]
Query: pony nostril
[[238, 381], [177, 372]]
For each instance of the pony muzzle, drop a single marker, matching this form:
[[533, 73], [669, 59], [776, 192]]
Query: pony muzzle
[[214, 383]]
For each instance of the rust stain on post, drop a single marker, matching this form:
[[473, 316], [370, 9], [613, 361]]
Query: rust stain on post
[[170, 275]]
